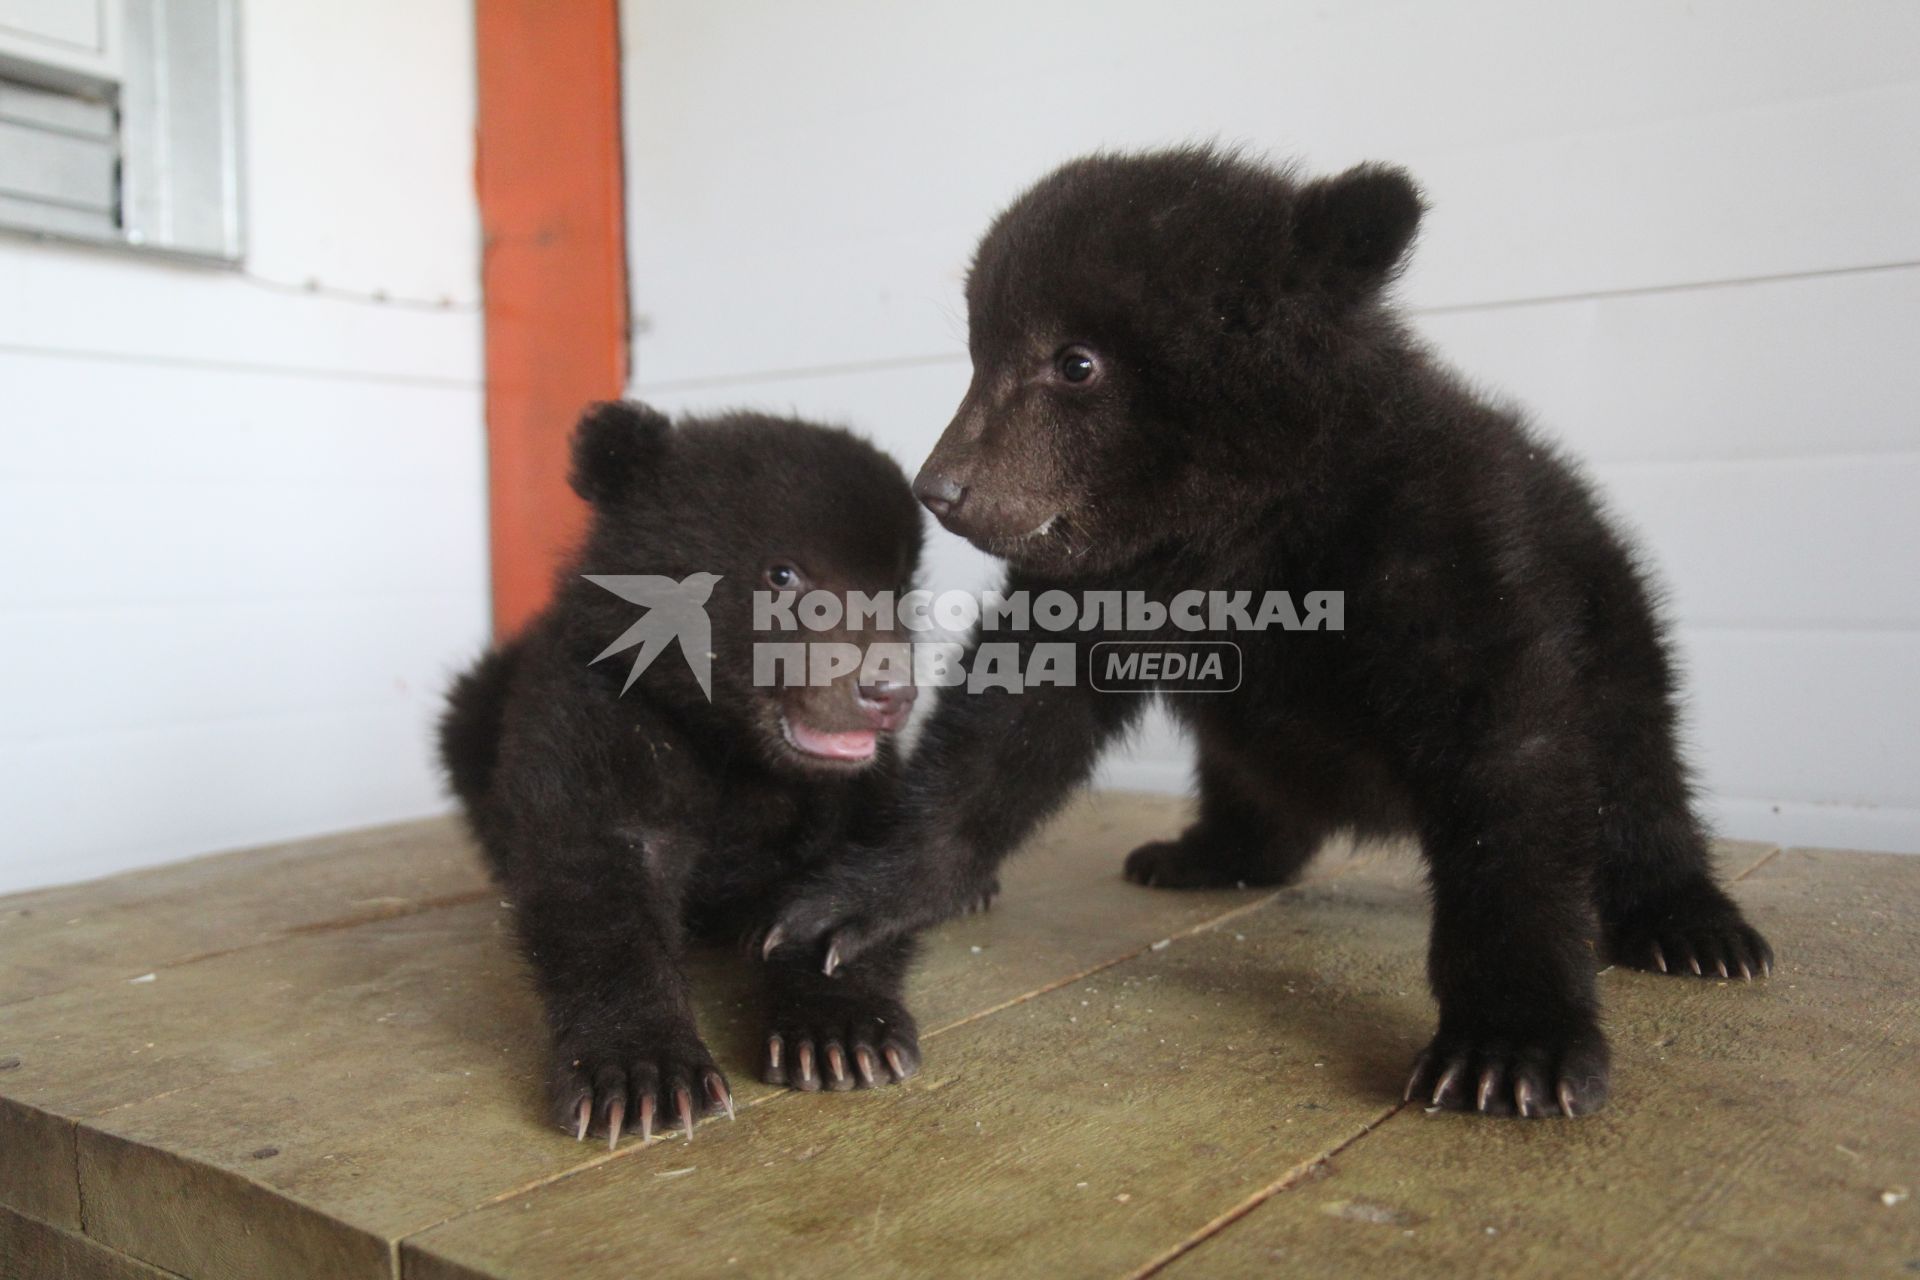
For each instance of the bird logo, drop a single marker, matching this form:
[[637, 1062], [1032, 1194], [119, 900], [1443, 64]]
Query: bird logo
[[676, 611]]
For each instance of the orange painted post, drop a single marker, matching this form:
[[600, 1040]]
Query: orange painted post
[[554, 273]]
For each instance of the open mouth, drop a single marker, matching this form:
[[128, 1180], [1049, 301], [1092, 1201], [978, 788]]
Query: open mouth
[[851, 746]]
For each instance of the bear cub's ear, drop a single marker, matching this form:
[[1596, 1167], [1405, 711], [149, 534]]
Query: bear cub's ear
[[1355, 227], [614, 448]]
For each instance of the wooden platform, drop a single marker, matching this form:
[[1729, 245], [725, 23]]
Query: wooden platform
[[320, 1061]]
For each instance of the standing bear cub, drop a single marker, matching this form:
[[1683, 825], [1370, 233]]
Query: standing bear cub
[[619, 819], [1186, 378]]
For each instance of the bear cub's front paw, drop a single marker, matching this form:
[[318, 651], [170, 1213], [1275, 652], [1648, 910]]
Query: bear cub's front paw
[[1529, 1073], [625, 1081], [839, 1042]]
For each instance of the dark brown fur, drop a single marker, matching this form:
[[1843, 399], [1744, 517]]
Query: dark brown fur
[[1253, 415], [618, 823]]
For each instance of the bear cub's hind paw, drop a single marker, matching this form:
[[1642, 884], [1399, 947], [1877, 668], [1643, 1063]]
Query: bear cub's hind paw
[[1530, 1076], [841, 1042], [1195, 861], [1703, 936]]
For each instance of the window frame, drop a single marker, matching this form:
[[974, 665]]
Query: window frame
[[169, 71]]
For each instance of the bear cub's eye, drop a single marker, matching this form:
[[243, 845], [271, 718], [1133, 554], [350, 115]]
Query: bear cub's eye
[[782, 577], [1077, 365]]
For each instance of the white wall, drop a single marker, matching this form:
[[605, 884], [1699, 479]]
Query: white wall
[[1687, 237], [242, 515]]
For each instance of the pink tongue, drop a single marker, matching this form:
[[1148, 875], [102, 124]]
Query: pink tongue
[[855, 745]]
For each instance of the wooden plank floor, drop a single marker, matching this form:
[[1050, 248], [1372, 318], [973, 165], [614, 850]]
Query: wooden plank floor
[[321, 1060]]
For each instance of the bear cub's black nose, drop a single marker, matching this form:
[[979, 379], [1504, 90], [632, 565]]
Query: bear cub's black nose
[[939, 494]]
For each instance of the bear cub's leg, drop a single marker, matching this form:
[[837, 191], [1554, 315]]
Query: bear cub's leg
[[848, 1031], [1508, 828], [1239, 839], [1510, 964], [1660, 909], [626, 1056]]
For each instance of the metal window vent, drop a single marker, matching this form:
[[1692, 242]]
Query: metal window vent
[[119, 123]]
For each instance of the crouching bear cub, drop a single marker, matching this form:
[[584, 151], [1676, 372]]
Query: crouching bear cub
[[620, 819], [1185, 378]]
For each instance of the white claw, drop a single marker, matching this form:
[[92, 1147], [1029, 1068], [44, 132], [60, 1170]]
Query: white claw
[[718, 1094], [615, 1114], [1445, 1081], [1419, 1065], [586, 1114]]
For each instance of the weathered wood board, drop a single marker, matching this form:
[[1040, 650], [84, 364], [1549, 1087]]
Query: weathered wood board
[[31, 1250], [136, 923], [1764, 1130], [1117, 1116], [322, 1060], [298, 1086]]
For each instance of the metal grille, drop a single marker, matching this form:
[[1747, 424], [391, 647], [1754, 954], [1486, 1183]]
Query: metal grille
[[124, 128]]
